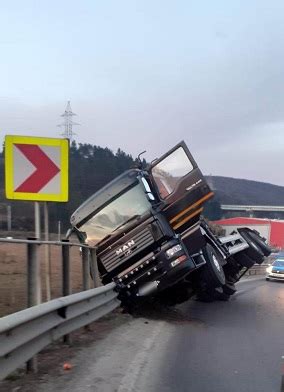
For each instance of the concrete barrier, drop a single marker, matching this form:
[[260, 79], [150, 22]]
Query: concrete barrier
[[257, 270]]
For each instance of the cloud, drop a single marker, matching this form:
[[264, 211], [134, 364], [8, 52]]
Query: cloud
[[148, 77]]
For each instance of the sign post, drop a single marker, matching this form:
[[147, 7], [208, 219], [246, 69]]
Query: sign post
[[36, 169], [47, 252], [37, 220]]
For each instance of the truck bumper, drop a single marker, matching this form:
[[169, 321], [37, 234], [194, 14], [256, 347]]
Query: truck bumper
[[176, 273], [155, 273]]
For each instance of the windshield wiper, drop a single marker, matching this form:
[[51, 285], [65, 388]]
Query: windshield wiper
[[134, 217], [103, 239]]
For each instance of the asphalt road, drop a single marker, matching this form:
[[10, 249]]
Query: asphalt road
[[231, 346]]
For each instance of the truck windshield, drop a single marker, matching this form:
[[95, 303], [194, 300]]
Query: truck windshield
[[130, 205], [278, 263]]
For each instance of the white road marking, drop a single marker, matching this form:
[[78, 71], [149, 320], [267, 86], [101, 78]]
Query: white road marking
[[129, 380]]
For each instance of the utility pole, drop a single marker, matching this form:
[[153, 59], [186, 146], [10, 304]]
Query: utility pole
[[68, 123]]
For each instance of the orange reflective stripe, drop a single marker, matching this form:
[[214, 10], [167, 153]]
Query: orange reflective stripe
[[180, 214], [187, 218]]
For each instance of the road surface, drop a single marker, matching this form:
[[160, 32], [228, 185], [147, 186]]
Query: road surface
[[231, 346]]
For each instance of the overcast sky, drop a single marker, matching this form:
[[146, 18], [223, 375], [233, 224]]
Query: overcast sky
[[145, 74]]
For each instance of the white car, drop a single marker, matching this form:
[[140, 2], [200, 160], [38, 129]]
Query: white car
[[276, 270]]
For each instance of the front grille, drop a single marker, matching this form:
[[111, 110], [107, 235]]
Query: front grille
[[111, 260]]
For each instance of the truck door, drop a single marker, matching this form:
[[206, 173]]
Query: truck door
[[181, 186]]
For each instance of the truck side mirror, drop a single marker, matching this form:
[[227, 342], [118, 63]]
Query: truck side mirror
[[69, 232], [147, 189]]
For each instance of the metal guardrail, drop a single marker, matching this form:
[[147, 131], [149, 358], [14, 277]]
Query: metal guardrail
[[25, 333], [231, 207], [33, 266], [28, 331], [40, 242]]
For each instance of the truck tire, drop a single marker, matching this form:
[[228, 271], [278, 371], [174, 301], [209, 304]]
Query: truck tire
[[229, 288], [211, 295], [254, 251], [212, 272], [232, 270], [244, 260], [260, 242], [220, 295]]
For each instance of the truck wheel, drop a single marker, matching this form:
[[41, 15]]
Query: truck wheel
[[220, 295], [211, 295], [212, 272], [244, 260], [254, 251], [260, 242], [229, 288], [232, 270]]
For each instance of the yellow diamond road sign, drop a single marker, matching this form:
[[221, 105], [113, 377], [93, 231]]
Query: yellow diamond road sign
[[36, 168]]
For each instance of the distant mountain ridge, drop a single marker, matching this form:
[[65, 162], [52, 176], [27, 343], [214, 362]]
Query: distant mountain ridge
[[91, 167], [230, 190]]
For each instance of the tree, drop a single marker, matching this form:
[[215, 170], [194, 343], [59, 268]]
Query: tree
[[91, 167], [212, 210]]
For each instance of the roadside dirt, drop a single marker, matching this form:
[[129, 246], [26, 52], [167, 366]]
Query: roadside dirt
[[13, 274], [51, 360]]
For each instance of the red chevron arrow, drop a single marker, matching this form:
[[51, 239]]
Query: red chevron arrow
[[45, 168]]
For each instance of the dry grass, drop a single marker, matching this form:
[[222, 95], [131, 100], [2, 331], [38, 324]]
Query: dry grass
[[13, 274]]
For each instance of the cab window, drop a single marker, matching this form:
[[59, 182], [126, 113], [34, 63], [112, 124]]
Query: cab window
[[168, 172]]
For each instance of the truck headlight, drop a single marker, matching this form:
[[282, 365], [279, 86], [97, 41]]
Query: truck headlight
[[269, 269], [172, 251]]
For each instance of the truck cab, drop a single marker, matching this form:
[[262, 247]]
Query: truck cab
[[145, 224]]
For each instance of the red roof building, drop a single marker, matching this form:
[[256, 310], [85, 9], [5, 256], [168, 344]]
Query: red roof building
[[272, 230]]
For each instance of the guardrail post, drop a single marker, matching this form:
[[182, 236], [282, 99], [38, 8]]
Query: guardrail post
[[33, 288], [85, 268], [94, 267], [33, 275], [86, 271], [66, 278]]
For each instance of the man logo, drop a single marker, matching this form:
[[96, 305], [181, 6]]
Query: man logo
[[125, 249]]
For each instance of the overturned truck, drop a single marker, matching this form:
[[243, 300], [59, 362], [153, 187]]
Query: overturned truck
[[151, 239]]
